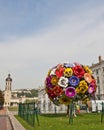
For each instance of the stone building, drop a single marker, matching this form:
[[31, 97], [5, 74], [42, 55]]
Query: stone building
[[98, 72]]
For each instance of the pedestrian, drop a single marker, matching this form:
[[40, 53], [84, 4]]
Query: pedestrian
[[78, 109], [74, 110], [87, 108]]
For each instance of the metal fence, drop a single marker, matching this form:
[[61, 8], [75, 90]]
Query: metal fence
[[28, 111]]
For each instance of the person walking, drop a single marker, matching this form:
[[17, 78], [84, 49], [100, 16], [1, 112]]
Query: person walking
[[74, 110], [78, 109]]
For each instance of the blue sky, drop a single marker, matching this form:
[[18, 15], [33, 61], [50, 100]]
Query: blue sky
[[36, 35]]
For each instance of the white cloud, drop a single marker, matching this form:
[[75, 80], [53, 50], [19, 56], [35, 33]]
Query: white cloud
[[76, 38]]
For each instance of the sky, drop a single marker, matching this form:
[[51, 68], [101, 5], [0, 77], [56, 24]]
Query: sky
[[36, 35]]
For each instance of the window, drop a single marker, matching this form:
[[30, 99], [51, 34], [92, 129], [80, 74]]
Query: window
[[103, 69], [98, 80], [96, 71]]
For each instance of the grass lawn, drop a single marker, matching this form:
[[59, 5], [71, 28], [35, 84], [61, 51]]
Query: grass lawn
[[86, 121], [13, 108]]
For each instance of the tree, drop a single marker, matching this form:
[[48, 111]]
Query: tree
[[1, 99]]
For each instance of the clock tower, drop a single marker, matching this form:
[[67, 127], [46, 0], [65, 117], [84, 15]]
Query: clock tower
[[7, 92]]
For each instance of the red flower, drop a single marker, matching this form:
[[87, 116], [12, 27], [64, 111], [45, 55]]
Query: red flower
[[57, 90], [59, 71], [78, 71], [54, 92], [51, 93]]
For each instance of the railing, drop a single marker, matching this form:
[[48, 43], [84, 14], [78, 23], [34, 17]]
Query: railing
[[28, 111]]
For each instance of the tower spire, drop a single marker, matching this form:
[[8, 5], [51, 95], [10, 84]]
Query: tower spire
[[7, 93]]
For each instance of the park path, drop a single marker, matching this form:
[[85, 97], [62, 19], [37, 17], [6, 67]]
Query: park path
[[4, 120]]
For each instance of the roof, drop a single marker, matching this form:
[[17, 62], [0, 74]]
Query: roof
[[8, 78]]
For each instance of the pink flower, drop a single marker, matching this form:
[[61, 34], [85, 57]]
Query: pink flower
[[70, 92], [92, 87]]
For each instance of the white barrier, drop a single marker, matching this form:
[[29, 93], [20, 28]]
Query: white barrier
[[96, 105]]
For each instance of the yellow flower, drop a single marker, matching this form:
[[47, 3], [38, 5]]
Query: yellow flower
[[49, 72], [87, 69], [78, 89], [85, 100], [65, 100], [54, 80], [68, 72], [82, 88], [82, 83]]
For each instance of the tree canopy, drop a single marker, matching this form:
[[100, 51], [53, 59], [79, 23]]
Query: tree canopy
[[1, 98]]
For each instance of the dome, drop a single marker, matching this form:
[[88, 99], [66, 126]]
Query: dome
[[8, 78]]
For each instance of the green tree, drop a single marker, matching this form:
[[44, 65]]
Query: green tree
[[1, 98]]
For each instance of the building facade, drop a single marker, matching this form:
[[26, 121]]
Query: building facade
[[98, 73]]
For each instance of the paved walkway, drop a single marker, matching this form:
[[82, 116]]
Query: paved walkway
[[2, 111], [5, 123], [15, 123], [8, 121]]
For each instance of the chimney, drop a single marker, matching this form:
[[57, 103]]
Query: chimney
[[100, 59]]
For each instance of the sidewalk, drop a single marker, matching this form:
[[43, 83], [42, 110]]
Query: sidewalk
[[8, 121], [15, 123], [4, 120], [2, 111]]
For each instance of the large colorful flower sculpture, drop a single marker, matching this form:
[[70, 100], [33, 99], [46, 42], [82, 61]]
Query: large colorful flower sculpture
[[69, 82]]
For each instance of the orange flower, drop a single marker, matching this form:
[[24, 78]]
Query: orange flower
[[54, 80], [88, 77]]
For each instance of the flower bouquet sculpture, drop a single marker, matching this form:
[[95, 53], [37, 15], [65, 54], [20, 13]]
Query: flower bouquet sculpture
[[69, 82]]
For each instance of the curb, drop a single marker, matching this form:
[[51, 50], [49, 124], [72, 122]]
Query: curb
[[15, 123], [10, 122]]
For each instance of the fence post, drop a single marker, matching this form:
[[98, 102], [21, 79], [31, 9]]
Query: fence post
[[102, 112], [28, 111], [71, 113], [19, 109], [36, 114]]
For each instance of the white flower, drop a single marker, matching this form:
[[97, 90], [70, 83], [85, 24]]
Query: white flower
[[63, 82], [53, 72]]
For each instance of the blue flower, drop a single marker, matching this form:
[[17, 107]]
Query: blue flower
[[68, 65], [74, 81]]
